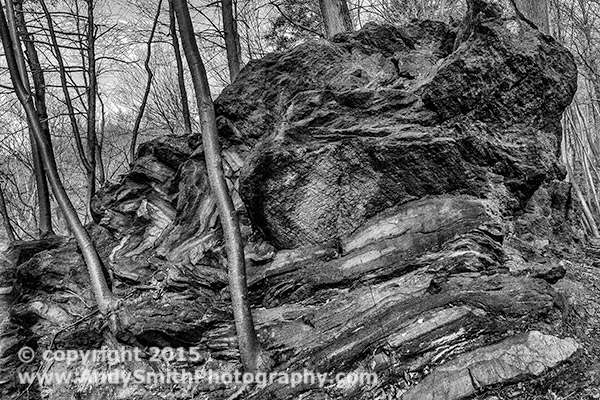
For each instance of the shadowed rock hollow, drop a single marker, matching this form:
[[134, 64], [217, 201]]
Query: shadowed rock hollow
[[402, 207]]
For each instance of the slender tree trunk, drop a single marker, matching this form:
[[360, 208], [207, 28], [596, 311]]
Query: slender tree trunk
[[185, 107], [569, 125], [92, 91], [65, 88], [584, 205], [537, 12], [138, 120], [10, 231], [104, 297], [336, 16], [99, 159], [232, 39], [43, 195], [252, 356]]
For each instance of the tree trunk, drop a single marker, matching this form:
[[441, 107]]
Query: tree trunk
[[232, 39], [185, 107], [569, 127], [252, 356], [43, 195], [104, 297], [150, 75], [584, 204], [65, 88], [336, 16], [92, 91], [537, 12], [10, 232], [99, 159]]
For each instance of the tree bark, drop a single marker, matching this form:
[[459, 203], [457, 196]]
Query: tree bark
[[252, 356], [104, 297], [185, 107], [10, 232], [99, 159], [232, 39], [150, 75], [16, 22], [336, 16], [537, 12], [92, 140]]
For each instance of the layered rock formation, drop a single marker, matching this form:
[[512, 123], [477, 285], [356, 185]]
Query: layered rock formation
[[389, 183]]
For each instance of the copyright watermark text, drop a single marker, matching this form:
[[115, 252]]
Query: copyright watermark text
[[196, 377], [112, 370]]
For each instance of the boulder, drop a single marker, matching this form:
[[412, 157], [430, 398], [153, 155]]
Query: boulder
[[529, 354], [387, 115], [402, 213]]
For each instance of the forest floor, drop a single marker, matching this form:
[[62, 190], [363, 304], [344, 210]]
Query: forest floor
[[578, 378]]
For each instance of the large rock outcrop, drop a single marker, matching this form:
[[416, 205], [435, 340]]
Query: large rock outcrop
[[392, 115], [400, 197]]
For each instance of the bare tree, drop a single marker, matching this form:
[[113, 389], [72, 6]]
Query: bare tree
[[104, 297], [185, 107], [44, 207], [253, 358], [10, 232], [336, 16], [150, 75], [232, 39], [62, 70], [536, 11], [92, 92], [99, 154]]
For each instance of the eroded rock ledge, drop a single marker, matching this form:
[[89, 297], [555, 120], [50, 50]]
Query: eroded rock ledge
[[401, 202]]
